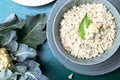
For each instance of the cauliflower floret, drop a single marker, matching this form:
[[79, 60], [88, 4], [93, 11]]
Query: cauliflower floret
[[5, 59], [92, 29]]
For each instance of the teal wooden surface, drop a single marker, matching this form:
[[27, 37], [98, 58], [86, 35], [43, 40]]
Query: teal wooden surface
[[49, 65], [7, 7], [55, 71]]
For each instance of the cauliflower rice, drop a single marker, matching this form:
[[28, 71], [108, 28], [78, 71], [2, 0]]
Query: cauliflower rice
[[94, 44]]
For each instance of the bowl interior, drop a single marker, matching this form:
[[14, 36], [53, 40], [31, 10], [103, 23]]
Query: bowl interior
[[56, 26]]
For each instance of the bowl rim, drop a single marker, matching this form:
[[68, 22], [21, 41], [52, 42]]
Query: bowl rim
[[99, 69], [93, 63]]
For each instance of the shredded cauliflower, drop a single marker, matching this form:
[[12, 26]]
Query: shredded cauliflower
[[99, 36], [92, 29]]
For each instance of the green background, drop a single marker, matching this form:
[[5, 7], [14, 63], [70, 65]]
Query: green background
[[49, 65]]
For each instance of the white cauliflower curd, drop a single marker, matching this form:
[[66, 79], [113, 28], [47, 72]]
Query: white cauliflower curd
[[5, 60]]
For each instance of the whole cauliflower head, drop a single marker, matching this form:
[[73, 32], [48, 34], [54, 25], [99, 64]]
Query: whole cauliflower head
[[5, 59]]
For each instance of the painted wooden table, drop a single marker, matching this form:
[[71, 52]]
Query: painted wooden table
[[49, 65]]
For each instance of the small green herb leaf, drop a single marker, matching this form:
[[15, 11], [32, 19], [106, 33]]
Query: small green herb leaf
[[83, 25]]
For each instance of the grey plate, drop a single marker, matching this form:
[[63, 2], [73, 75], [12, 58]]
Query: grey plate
[[99, 69]]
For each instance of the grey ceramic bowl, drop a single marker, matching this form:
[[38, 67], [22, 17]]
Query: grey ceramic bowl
[[56, 25]]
